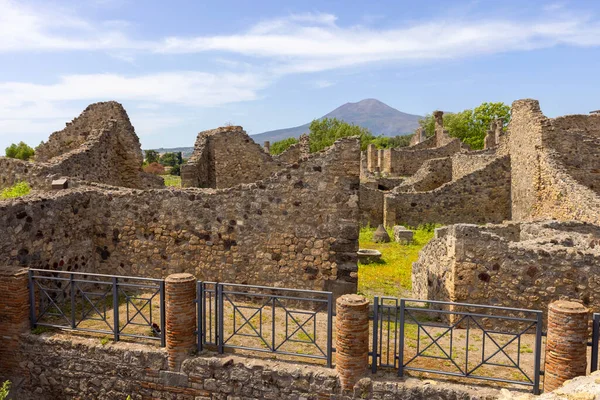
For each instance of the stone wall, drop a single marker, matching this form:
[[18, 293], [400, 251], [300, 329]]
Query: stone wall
[[521, 265], [299, 228], [98, 146], [405, 162], [465, 163], [480, 197], [432, 174], [62, 367], [227, 156], [556, 164], [371, 206], [295, 152]]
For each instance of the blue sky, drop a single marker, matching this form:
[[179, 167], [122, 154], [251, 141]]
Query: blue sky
[[180, 67]]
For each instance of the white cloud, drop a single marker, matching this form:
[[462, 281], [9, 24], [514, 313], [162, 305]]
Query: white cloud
[[199, 89], [323, 83]]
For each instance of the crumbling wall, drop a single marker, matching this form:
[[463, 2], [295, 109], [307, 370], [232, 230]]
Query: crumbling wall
[[98, 146], [432, 174], [556, 164], [295, 152], [225, 157], [527, 265], [298, 228], [480, 197], [405, 162], [465, 163]]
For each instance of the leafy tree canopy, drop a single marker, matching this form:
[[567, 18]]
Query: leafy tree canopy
[[152, 156], [324, 132], [21, 151], [470, 126], [282, 145], [171, 159]]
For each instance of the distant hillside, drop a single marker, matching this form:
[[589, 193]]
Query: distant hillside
[[186, 152], [372, 114]]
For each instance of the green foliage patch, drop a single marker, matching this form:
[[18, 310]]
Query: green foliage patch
[[17, 190], [282, 145], [470, 126], [391, 276], [21, 151]]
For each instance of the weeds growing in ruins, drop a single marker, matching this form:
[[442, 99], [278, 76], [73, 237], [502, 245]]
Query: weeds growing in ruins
[[172, 180], [4, 390], [17, 190], [392, 275]]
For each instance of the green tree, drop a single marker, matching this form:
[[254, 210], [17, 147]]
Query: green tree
[[21, 151], [170, 159], [282, 145], [470, 126], [386, 142], [152, 156], [175, 170], [324, 132]]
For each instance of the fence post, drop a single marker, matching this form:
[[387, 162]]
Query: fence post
[[595, 339], [329, 330], [14, 317], [375, 334], [180, 293], [163, 315], [72, 287], [115, 294], [200, 315], [566, 344], [538, 352], [401, 339], [352, 338], [219, 305]]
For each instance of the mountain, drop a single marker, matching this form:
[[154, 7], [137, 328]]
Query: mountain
[[372, 114]]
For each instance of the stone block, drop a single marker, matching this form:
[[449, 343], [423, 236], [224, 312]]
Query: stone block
[[380, 235], [403, 235], [59, 184]]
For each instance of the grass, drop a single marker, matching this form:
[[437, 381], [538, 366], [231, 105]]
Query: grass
[[172, 180], [391, 276], [17, 190]]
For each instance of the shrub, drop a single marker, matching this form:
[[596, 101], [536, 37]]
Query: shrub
[[17, 190], [21, 151], [282, 145], [175, 170], [154, 168]]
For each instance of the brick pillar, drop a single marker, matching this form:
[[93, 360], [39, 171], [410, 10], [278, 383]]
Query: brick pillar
[[566, 344], [14, 318], [180, 312], [352, 338]]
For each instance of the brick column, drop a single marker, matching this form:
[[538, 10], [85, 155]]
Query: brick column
[[352, 338], [14, 317], [566, 344], [180, 310]]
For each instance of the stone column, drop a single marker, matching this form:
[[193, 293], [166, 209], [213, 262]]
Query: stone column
[[566, 344], [180, 310], [352, 338], [14, 318], [490, 140], [371, 157], [267, 147], [438, 117]]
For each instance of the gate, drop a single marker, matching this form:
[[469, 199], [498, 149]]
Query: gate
[[458, 339], [266, 319]]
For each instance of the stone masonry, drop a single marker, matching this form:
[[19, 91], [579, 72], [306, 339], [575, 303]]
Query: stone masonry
[[98, 146], [298, 228], [521, 265]]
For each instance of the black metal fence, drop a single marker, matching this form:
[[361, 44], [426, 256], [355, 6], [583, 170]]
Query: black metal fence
[[595, 341], [266, 319], [457, 339], [119, 306]]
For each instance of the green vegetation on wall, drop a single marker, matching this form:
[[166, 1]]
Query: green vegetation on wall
[[282, 145], [17, 190], [470, 126], [21, 151], [4, 390], [324, 132]]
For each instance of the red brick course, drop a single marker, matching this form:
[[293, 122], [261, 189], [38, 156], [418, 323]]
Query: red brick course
[[352, 338], [180, 310], [566, 344], [14, 317]]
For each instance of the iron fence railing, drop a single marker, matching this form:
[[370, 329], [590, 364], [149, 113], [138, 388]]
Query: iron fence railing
[[120, 306], [595, 341], [448, 338], [266, 319]]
